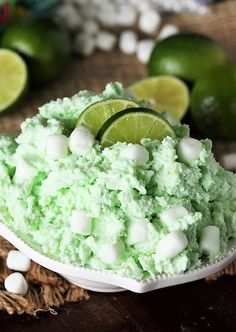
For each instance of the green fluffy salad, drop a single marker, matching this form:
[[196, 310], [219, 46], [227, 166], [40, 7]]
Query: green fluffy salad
[[137, 210]]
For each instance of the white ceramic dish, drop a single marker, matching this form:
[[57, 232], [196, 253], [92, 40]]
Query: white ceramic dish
[[102, 281]]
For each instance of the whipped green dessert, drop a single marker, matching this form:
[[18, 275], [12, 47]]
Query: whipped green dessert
[[139, 210]]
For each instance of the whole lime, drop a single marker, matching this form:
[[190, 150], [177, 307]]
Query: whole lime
[[213, 103], [186, 55], [44, 47]]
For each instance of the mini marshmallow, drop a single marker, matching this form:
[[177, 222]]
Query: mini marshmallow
[[84, 44], [110, 253], [81, 223], [138, 232], [18, 261], [128, 42], [126, 16], [144, 50], [136, 152], [210, 240], [229, 161], [16, 284], [81, 141], [189, 149], [90, 27], [57, 146], [142, 5], [149, 21], [68, 14], [167, 31], [171, 245], [105, 41], [171, 215], [106, 14]]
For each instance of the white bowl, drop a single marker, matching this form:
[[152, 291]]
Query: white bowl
[[108, 282]]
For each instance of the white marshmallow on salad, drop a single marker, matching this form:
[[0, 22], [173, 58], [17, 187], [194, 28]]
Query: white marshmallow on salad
[[110, 253], [135, 152], [138, 232], [81, 141], [80, 222], [16, 284], [189, 149], [171, 245], [210, 240], [18, 261], [57, 146], [171, 215]]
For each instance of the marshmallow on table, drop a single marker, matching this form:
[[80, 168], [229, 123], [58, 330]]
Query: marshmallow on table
[[84, 44], [128, 42], [142, 5], [105, 41], [138, 232], [126, 16], [110, 253], [169, 216], [81, 222], [136, 152], [229, 161], [81, 141], [167, 31], [90, 27], [57, 146], [149, 21], [210, 240], [16, 283], [171, 245], [18, 261], [189, 149], [69, 15], [144, 50]]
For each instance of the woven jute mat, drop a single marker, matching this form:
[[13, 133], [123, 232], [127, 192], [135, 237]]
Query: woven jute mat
[[48, 290]]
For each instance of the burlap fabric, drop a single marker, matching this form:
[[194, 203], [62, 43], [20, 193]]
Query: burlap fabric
[[48, 290]]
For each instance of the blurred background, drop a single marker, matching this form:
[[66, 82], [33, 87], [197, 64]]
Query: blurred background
[[69, 45]]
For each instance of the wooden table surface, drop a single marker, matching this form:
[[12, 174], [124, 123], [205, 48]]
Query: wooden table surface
[[197, 306]]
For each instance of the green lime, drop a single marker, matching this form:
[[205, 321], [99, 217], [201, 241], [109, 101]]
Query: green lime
[[13, 78], [133, 124], [95, 115], [213, 103], [44, 47], [167, 93], [186, 55]]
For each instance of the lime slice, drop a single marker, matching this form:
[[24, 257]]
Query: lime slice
[[167, 93], [13, 78], [131, 125], [98, 113]]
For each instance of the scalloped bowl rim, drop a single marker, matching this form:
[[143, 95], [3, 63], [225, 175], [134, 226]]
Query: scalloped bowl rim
[[108, 281]]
